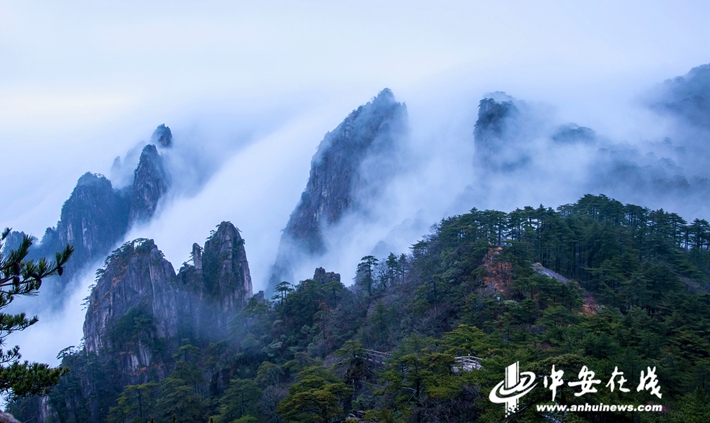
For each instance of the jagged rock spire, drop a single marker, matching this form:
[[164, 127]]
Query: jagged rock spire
[[353, 163], [149, 185], [139, 301], [162, 136]]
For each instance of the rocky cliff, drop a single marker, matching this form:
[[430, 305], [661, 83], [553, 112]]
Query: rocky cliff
[[93, 219], [134, 303], [97, 216], [162, 136], [150, 184], [218, 283], [496, 134], [351, 165], [140, 311]]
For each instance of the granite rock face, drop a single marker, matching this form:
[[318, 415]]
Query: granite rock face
[[162, 136], [140, 311], [93, 219], [218, 283], [351, 165], [149, 185], [496, 134], [97, 216], [321, 276], [134, 302]]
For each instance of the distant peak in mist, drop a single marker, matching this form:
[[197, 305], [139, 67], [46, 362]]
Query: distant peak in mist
[[492, 117], [162, 136], [97, 214], [686, 97], [573, 133], [352, 165], [92, 179], [150, 184], [385, 95], [497, 134]]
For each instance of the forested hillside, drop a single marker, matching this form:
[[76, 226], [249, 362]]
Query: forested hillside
[[632, 293]]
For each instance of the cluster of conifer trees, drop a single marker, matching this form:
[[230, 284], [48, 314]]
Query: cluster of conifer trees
[[636, 298]]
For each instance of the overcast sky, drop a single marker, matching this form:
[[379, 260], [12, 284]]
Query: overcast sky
[[83, 82], [80, 82]]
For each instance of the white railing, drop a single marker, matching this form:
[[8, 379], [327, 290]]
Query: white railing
[[466, 363]]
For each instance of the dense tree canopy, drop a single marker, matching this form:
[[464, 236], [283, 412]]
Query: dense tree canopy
[[596, 283]]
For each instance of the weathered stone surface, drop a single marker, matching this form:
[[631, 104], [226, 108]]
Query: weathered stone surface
[[134, 302], [92, 220], [162, 136], [96, 216], [149, 185], [219, 283], [322, 276], [352, 164], [139, 303]]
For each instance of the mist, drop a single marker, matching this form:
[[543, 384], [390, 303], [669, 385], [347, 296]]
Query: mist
[[249, 93]]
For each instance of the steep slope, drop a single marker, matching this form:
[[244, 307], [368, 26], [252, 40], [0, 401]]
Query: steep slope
[[93, 219], [352, 164], [687, 97], [140, 313], [162, 136], [150, 184], [218, 284], [197, 303], [97, 216], [134, 302]]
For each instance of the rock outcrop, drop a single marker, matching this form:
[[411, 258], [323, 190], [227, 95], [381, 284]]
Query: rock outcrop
[[218, 284], [134, 302], [140, 311], [352, 164], [93, 219], [149, 185], [162, 136], [321, 276], [96, 216], [496, 134]]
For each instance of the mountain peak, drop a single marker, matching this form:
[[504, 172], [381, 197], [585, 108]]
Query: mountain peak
[[351, 166], [162, 136], [93, 179], [149, 185]]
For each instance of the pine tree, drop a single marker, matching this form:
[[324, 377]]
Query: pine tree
[[20, 276]]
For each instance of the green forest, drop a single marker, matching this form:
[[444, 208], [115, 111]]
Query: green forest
[[632, 295]]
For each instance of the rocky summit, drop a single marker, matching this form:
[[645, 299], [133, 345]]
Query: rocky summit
[[495, 131], [352, 164], [93, 219], [218, 283], [149, 185], [162, 136], [97, 215], [140, 311], [196, 303]]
